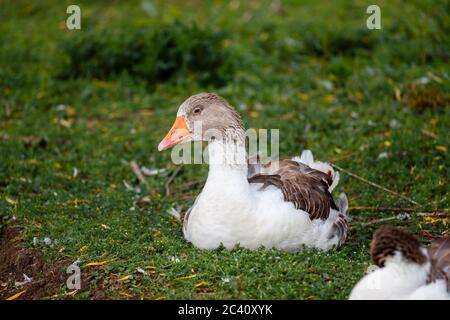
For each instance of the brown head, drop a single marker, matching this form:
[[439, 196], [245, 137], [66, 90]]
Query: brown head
[[203, 117], [388, 240]]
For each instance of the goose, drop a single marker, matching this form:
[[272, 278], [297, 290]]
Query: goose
[[284, 204], [405, 269]]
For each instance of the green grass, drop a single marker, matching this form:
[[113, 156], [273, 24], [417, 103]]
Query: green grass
[[310, 69]]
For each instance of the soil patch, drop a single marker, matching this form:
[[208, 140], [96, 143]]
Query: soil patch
[[47, 278]]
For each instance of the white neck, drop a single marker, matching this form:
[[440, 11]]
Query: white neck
[[227, 164]]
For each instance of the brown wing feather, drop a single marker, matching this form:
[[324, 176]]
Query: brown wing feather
[[305, 187], [439, 253]]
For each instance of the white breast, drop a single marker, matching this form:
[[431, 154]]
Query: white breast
[[230, 211]]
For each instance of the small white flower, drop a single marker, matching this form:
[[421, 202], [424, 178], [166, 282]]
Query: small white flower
[[242, 106], [140, 270], [403, 216], [423, 80], [394, 124], [174, 259], [225, 279], [354, 115], [326, 84], [383, 155]]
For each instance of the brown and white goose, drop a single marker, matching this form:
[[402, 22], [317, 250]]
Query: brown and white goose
[[406, 270], [285, 205]]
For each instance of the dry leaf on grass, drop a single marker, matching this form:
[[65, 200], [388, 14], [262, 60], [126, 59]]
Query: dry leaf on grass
[[11, 201], [125, 278], [99, 263], [201, 284], [17, 295]]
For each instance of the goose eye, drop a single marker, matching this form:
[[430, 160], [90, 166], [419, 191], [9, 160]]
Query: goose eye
[[197, 111]]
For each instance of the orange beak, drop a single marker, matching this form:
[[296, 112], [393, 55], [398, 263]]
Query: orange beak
[[179, 133]]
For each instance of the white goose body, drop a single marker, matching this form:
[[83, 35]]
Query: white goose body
[[230, 211], [406, 270], [400, 280]]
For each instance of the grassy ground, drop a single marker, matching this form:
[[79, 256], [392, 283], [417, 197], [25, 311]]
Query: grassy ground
[[374, 102]]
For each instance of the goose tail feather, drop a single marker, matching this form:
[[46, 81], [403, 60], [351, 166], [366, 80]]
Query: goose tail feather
[[307, 158]]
